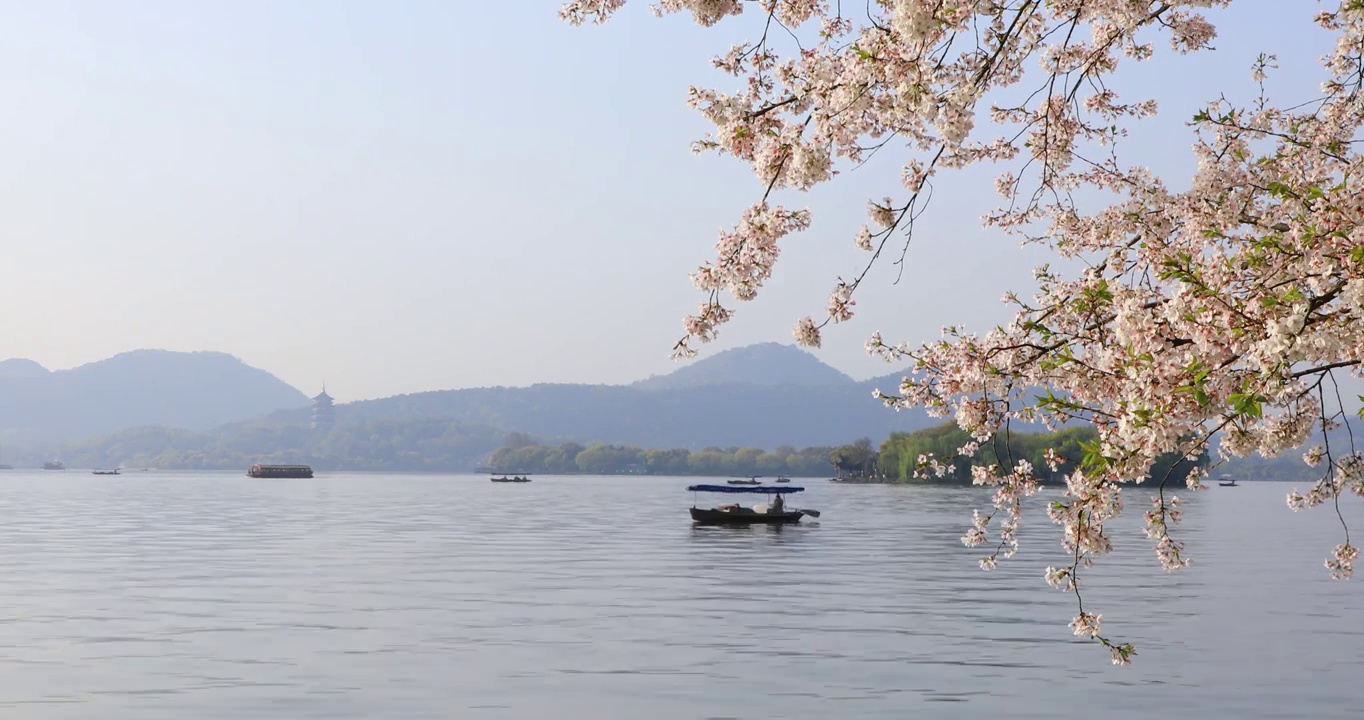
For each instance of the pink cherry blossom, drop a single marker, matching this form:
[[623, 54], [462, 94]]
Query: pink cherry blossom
[[1220, 310], [1086, 624]]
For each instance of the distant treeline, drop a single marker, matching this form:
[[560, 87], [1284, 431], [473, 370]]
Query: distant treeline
[[894, 461], [901, 452], [521, 454], [444, 445]]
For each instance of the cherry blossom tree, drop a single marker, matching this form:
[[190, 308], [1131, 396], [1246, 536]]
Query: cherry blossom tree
[[1224, 308]]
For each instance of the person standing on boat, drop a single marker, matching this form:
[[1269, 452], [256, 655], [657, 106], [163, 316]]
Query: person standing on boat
[[778, 505]]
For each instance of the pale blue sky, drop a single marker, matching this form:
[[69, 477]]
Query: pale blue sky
[[405, 196]]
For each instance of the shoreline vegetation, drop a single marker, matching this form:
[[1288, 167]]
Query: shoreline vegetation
[[442, 445], [522, 454], [860, 461]]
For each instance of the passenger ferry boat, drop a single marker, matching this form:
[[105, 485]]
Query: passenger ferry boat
[[280, 471]]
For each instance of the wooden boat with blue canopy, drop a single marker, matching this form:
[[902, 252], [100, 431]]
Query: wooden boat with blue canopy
[[773, 513]]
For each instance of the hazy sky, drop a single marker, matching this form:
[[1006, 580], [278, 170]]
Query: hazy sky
[[405, 196]]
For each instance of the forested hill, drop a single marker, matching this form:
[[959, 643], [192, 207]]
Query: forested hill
[[212, 410], [459, 429], [783, 405], [692, 418], [193, 391], [762, 364]]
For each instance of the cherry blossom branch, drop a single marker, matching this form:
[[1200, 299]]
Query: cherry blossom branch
[[1217, 310]]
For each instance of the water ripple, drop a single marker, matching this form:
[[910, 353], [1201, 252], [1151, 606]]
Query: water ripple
[[364, 595]]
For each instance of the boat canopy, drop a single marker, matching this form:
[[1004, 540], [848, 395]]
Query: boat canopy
[[750, 489]]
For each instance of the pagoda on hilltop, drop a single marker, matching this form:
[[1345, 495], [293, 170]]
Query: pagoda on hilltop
[[324, 414]]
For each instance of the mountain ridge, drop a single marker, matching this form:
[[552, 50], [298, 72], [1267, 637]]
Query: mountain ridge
[[760, 395], [191, 390], [753, 399], [765, 395], [767, 363]]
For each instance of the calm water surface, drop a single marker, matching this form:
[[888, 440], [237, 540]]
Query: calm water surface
[[156, 595]]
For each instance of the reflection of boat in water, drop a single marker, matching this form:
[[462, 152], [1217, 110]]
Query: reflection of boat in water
[[106, 472], [775, 513], [512, 479], [54, 465]]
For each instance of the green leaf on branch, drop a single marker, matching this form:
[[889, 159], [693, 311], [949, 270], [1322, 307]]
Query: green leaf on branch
[[1094, 461], [1247, 404]]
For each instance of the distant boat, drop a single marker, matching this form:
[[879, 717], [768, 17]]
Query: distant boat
[[280, 471], [54, 465], [106, 472], [783, 479], [752, 480], [512, 479], [1226, 482]]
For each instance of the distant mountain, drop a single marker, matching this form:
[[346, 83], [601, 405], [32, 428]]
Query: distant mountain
[[758, 396], [19, 369], [762, 364], [711, 415], [216, 412], [763, 396], [193, 391]]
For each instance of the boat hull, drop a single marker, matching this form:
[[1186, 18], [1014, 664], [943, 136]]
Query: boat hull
[[704, 516]]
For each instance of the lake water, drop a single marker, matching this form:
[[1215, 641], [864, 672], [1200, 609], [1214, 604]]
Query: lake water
[[161, 595]]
